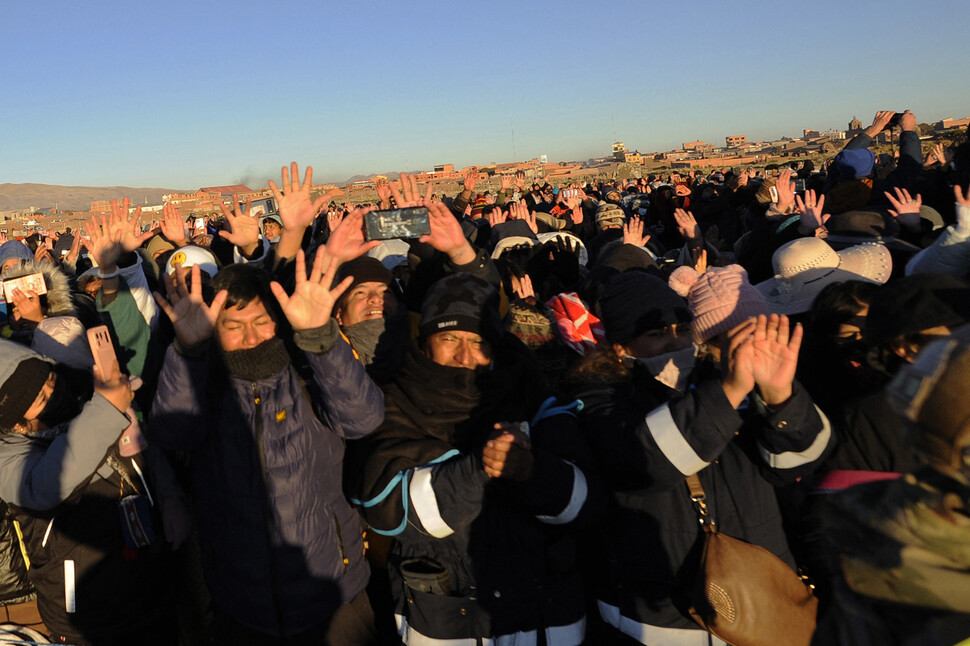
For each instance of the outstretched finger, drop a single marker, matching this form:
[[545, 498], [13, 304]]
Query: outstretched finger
[[308, 177], [339, 290], [795, 338]]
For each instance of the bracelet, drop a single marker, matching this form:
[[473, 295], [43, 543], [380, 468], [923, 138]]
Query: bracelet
[[113, 274]]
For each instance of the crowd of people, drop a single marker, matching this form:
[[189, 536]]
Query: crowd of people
[[495, 432]]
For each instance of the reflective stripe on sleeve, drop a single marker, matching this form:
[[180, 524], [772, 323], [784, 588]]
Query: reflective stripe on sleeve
[[425, 504], [576, 501], [671, 441]]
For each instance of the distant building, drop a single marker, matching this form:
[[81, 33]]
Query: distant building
[[733, 141], [444, 168], [855, 127], [696, 145], [618, 150], [947, 124]]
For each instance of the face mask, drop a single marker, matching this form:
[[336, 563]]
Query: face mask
[[672, 369], [854, 351], [62, 406]]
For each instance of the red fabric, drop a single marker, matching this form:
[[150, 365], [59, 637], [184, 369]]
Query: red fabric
[[580, 329]]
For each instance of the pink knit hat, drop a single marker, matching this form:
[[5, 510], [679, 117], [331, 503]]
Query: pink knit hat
[[720, 298]]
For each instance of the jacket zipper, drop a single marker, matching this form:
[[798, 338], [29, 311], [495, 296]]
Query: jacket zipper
[[340, 543], [274, 575]]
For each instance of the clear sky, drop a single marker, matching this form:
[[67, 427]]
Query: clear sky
[[180, 94]]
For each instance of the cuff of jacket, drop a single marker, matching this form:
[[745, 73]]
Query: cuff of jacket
[[318, 340]]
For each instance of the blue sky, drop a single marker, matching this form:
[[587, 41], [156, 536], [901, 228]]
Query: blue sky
[[185, 94]]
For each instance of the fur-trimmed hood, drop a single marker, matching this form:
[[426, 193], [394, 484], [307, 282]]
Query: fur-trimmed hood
[[59, 301]]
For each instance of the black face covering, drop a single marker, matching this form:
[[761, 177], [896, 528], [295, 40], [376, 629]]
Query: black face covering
[[62, 406], [854, 350]]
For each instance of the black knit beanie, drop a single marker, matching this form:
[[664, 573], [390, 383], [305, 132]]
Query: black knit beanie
[[635, 302], [461, 302], [21, 388]]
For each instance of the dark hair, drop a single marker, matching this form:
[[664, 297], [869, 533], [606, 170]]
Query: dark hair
[[838, 303], [244, 283]]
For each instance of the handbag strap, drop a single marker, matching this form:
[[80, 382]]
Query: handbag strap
[[699, 498]]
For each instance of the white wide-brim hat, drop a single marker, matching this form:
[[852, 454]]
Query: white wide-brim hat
[[804, 267]]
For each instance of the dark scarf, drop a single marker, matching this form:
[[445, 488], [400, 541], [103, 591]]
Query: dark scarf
[[381, 345], [265, 360], [431, 409]]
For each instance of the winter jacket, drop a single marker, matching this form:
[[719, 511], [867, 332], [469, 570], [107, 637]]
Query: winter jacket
[[646, 439], [500, 554], [282, 548], [65, 492]]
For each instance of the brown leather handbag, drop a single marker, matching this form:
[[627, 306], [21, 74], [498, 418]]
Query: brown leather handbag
[[744, 594]]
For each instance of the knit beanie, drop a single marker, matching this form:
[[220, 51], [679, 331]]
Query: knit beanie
[[720, 298], [364, 270], [478, 206], [461, 302], [23, 374], [608, 214], [14, 249], [635, 302]]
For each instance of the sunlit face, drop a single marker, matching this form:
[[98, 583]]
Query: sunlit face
[[92, 287], [365, 302], [653, 343], [272, 230], [458, 349], [9, 263], [244, 328]]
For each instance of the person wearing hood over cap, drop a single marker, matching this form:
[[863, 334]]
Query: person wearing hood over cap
[[653, 418], [479, 499], [901, 547], [66, 471]]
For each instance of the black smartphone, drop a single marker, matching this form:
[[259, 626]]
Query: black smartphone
[[411, 222]]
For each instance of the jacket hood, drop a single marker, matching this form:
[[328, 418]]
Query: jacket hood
[[59, 301]]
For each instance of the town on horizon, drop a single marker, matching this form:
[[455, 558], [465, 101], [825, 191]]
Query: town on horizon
[[737, 151]]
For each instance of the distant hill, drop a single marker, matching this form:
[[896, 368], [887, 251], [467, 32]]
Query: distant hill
[[75, 198]]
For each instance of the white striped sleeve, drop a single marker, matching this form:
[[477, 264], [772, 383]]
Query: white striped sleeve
[[791, 459], [576, 500], [672, 442], [425, 504]]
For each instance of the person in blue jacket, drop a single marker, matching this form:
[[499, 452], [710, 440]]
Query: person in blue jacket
[[265, 422]]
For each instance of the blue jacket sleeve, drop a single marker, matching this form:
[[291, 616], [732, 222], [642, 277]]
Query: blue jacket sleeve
[[178, 418], [349, 400]]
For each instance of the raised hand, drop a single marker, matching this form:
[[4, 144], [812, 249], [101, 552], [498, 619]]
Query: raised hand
[[496, 217], [775, 357], [506, 182], [243, 227], [446, 235], [522, 287], [879, 122], [172, 226], [26, 306], [346, 240], [810, 211], [786, 191], [405, 192], [296, 209], [333, 219], [129, 224], [633, 232], [520, 180], [311, 303], [192, 319], [936, 155], [105, 245], [905, 208], [471, 179], [75, 250], [737, 359], [687, 225], [383, 192]]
